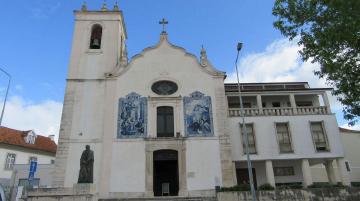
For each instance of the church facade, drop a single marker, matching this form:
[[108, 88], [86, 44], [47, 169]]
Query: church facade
[[164, 122]]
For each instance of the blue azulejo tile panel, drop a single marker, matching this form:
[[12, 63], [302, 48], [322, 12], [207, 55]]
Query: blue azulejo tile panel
[[132, 116], [198, 115]]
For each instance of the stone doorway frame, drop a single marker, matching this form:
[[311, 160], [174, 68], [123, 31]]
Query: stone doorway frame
[[155, 144]]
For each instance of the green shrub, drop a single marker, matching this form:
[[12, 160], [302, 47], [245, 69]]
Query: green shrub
[[266, 187], [355, 184], [291, 186], [241, 187], [326, 185]]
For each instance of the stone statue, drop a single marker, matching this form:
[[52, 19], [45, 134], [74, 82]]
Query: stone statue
[[86, 166]]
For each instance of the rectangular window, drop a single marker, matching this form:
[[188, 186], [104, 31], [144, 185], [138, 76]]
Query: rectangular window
[[319, 136], [10, 161], [251, 138], [276, 104], [284, 171], [304, 103], [247, 105], [283, 136], [32, 158]]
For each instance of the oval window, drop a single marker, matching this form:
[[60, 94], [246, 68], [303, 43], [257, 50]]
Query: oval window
[[164, 87]]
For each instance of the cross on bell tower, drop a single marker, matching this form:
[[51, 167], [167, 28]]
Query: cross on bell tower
[[163, 22]]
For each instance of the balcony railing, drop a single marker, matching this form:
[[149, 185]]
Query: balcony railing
[[280, 111]]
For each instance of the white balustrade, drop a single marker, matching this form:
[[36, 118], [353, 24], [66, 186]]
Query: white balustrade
[[279, 111]]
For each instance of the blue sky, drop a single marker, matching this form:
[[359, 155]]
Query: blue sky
[[37, 35]]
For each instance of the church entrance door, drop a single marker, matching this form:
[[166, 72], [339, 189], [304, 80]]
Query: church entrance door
[[166, 173]]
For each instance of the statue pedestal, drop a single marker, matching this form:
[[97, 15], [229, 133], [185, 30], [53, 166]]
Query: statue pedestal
[[84, 188]]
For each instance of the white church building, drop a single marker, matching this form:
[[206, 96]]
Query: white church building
[[165, 123]]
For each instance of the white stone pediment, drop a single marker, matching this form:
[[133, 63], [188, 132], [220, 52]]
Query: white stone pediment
[[168, 53]]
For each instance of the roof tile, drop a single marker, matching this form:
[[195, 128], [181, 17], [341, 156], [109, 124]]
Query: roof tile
[[17, 138]]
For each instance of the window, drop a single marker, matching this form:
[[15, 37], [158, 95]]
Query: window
[[32, 158], [276, 104], [247, 105], [164, 87], [10, 161], [251, 138], [95, 39], [319, 136], [304, 103], [31, 137], [283, 137], [165, 121], [52, 161], [284, 171]]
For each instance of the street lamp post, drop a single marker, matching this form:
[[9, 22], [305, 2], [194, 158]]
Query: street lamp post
[[239, 46], [6, 94]]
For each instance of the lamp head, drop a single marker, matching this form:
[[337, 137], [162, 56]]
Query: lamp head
[[239, 46]]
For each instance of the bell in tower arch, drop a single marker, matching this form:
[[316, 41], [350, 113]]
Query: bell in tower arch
[[95, 40]]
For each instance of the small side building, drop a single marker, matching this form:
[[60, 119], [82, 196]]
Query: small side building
[[350, 139], [20, 148]]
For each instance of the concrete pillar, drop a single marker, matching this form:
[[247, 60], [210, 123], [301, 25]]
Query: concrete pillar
[[293, 103], [270, 178], [330, 171], [259, 104], [234, 173], [326, 101], [344, 174], [306, 171]]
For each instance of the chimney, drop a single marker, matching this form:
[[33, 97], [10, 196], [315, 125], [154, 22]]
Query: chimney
[[52, 137]]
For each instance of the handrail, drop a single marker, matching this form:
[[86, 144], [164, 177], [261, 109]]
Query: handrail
[[279, 111]]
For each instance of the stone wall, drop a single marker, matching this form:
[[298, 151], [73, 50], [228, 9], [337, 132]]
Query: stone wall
[[80, 192], [316, 194]]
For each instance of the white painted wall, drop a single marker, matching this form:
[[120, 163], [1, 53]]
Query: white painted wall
[[22, 157], [266, 141], [351, 143], [203, 168], [128, 166]]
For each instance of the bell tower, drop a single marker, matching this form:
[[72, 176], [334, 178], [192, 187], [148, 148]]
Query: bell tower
[[98, 42], [98, 47]]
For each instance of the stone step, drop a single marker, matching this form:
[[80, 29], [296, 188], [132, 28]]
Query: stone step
[[168, 198]]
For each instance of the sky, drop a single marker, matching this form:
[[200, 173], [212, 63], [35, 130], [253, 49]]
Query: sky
[[36, 38]]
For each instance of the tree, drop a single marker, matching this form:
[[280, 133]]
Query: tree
[[329, 34]]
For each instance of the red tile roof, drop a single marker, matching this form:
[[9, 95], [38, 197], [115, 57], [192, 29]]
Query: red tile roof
[[345, 130], [17, 138]]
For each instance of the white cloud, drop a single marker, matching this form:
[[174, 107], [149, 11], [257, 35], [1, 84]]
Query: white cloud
[[280, 62], [43, 118]]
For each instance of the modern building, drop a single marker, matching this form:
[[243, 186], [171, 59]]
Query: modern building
[[165, 123], [290, 127], [22, 147]]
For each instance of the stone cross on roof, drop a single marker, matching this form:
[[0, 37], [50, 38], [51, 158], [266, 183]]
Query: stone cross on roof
[[163, 22]]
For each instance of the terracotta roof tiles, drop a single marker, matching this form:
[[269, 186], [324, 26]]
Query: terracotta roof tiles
[[17, 138]]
